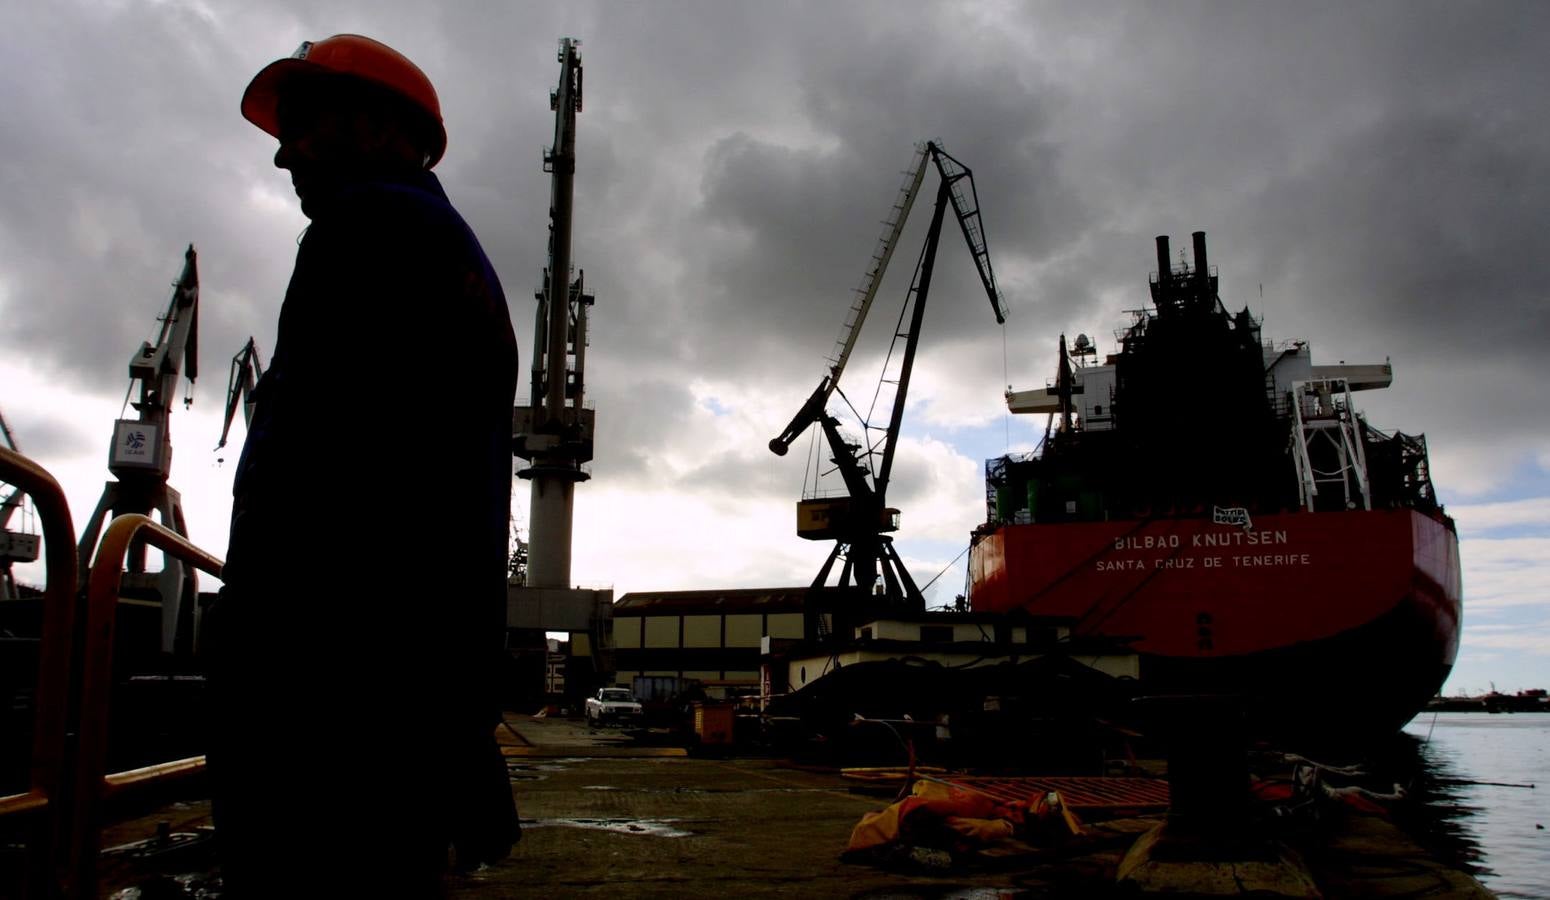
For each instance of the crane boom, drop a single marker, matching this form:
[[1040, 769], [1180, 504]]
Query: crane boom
[[893, 226], [954, 175], [877, 267], [967, 208], [920, 288], [247, 367]]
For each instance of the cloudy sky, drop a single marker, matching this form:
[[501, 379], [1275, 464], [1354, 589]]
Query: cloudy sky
[[1375, 179]]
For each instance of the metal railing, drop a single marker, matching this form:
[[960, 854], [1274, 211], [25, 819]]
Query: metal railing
[[90, 783], [48, 866], [68, 784]]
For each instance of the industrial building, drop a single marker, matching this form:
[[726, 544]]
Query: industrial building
[[715, 636]]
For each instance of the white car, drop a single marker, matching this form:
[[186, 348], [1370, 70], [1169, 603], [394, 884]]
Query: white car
[[613, 704]]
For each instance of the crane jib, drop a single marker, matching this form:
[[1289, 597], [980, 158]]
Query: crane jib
[[966, 210]]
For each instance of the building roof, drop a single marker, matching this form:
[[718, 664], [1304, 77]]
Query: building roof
[[712, 602]]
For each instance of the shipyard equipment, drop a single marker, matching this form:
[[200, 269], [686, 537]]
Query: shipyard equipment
[[140, 458], [860, 521], [247, 367], [554, 431], [15, 546]]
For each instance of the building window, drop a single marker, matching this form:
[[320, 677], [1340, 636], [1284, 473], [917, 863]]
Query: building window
[[936, 634]]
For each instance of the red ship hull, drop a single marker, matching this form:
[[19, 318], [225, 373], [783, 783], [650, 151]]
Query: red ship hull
[[1340, 622]]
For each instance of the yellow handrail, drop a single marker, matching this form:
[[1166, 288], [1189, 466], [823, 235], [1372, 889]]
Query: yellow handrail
[[90, 782], [49, 872]]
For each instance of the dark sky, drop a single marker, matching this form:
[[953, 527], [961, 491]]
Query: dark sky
[[1381, 171]]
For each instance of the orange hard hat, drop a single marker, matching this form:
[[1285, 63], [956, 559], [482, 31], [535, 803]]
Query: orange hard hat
[[353, 56]]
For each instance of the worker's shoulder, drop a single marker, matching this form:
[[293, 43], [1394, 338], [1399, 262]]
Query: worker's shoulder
[[394, 204]]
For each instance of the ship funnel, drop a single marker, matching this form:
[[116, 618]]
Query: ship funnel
[[1164, 267], [1202, 269]]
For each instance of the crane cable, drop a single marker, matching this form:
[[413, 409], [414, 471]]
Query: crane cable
[[928, 584], [1006, 379], [812, 463]]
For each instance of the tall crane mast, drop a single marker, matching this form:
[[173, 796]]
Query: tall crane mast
[[141, 459], [554, 431], [860, 522]]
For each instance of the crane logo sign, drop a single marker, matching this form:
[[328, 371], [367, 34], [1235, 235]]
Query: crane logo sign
[[135, 444]]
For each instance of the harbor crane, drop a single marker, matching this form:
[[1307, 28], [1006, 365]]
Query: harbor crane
[[247, 367], [860, 522], [140, 458], [15, 546], [554, 431]]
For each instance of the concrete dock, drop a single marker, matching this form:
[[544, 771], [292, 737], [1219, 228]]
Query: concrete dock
[[605, 816]]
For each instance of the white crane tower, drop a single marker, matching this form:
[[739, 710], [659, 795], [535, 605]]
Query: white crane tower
[[554, 432], [141, 459]]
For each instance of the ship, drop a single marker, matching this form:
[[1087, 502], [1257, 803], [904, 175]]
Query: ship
[[1217, 503]]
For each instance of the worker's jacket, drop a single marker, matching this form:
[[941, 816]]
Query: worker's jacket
[[371, 504]]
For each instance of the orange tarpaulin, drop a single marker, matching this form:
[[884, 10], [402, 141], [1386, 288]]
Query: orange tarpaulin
[[976, 819]]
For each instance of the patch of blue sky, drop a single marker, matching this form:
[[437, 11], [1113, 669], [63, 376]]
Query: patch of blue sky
[[1529, 477], [942, 565], [987, 441], [1504, 549]]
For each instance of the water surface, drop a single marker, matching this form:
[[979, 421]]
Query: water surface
[[1501, 833]]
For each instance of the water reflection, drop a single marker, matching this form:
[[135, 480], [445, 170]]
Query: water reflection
[[1439, 810], [1473, 798]]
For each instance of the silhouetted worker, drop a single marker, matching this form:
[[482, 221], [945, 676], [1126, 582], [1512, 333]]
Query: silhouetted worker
[[355, 647]]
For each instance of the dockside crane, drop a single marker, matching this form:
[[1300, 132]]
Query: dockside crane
[[140, 457], [15, 546], [860, 522], [247, 367], [554, 431]]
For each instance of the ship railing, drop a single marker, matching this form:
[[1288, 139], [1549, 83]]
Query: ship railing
[[42, 809], [61, 812], [91, 783]]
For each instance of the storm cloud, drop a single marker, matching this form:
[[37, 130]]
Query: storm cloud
[[1375, 179]]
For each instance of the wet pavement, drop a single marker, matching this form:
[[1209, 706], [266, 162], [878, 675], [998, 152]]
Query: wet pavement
[[604, 815], [612, 813], [609, 813]]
